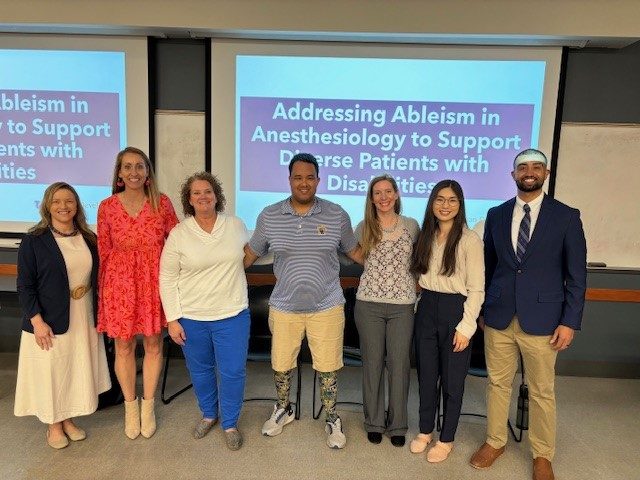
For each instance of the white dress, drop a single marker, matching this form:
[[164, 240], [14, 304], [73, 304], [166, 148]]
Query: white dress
[[64, 382]]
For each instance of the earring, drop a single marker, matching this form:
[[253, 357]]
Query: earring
[[147, 182], [120, 183]]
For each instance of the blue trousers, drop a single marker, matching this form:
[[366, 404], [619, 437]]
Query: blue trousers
[[216, 355]]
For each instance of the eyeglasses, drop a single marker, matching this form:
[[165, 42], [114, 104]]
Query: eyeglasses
[[452, 202]]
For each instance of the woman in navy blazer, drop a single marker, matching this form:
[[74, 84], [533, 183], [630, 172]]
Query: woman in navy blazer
[[62, 364]]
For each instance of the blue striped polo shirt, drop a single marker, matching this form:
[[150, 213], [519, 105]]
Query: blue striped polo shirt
[[305, 249]]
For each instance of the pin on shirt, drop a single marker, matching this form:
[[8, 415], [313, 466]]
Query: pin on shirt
[[322, 229]]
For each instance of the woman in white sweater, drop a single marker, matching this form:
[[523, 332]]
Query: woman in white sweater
[[450, 261], [204, 295]]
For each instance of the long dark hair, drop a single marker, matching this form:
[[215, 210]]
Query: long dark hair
[[424, 246]]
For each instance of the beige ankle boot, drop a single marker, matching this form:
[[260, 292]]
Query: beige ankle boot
[[131, 418], [147, 418]]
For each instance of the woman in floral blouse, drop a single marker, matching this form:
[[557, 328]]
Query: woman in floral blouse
[[384, 309]]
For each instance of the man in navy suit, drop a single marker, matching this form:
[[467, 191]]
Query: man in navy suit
[[536, 271]]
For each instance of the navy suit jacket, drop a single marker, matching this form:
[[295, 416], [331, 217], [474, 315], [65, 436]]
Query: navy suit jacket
[[43, 284], [547, 288]]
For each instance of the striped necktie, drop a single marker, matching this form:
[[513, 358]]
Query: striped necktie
[[523, 233]]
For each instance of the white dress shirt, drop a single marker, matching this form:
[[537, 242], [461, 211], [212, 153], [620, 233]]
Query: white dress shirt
[[518, 214]]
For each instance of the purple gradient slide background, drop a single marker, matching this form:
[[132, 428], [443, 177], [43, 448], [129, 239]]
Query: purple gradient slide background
[[93, 169], [258, 156]]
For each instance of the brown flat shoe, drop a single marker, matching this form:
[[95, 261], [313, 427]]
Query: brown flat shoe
[[233, 438], [542, 469], [202, 428], [485, 456]]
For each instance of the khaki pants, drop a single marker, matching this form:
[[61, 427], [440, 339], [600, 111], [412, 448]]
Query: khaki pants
[[324, 331], [501, 351]]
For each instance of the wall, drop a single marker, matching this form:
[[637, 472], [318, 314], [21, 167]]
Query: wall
[[594, 18], [602, 85], [180, 68]]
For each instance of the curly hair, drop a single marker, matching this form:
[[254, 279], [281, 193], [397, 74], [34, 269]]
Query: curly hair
[[185, 192]]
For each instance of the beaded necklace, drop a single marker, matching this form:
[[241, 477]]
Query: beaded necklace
[[62, 234]]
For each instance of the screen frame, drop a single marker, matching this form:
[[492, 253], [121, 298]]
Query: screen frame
[[136, 82], [223, 91]]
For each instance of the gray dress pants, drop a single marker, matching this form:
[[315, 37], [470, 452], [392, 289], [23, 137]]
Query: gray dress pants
[[386, 332]]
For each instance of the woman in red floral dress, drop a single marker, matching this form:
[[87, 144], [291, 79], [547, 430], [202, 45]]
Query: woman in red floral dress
[[133, 224]]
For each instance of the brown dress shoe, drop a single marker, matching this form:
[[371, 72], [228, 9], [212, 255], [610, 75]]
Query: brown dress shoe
[[542, 469], [485, 456]]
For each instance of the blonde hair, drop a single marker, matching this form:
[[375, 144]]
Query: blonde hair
[[79, 220], [371, 231], [151, 191]]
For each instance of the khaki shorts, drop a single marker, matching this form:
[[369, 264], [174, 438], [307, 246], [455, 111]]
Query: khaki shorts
[[325, 333]]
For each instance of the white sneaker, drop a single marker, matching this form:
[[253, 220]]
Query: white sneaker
[[335, 437], [279, 418]]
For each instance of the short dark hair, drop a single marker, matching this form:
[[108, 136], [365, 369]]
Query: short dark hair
[[306, 158], [185, 192]]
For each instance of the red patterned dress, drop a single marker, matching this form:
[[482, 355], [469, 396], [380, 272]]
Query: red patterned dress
[[129, 249]]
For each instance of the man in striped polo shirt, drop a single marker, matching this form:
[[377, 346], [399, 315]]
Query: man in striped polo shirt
[[305, 234]]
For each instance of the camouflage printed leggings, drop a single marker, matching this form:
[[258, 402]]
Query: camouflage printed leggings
[[328, 391]]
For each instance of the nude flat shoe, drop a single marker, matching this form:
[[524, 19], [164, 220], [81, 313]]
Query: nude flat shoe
[[59, 443], [75, 434], [439, 452], [420, 442]]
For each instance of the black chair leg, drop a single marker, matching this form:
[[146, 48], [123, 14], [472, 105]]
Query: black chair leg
[[439, 408], [169, 399], [517, 438], [298, 404], [316, 415], [522, 418]]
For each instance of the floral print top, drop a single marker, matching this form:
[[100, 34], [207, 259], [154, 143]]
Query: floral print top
[[386, 277], [129, 249]]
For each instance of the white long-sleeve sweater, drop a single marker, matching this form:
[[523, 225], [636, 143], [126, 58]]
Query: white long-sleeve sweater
[[201, 274]]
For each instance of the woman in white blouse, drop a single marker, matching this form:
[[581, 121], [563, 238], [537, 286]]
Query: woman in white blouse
[[204, 295], [384, 310], [450, 262]]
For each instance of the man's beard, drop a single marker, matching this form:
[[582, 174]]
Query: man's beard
[[523, 187]]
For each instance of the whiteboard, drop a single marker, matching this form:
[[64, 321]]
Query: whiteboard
[[598, 172], [180, 150]]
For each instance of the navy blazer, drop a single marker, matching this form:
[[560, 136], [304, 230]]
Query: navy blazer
[[43, 284], [547, 288]]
